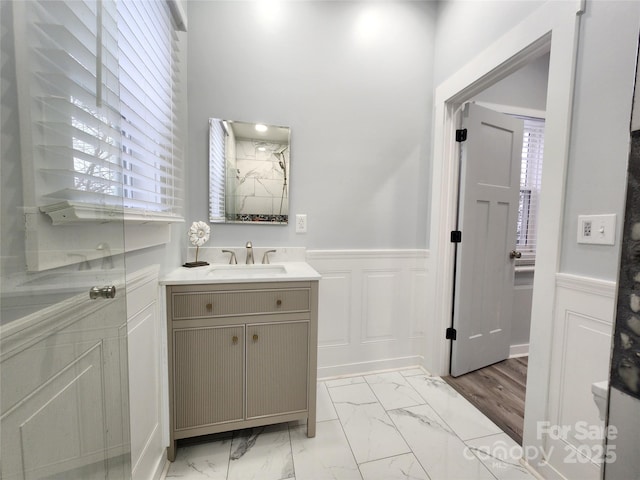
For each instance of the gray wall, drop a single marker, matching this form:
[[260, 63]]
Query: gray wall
[[525, 88], [599, 147], [359, 104], [604, 87], [466, 27]]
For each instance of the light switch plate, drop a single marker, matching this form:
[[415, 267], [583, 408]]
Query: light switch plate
[[597, 229]]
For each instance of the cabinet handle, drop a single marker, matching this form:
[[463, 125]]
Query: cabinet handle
[[209, 307], [255, 337], [278, 303], [234, 340]]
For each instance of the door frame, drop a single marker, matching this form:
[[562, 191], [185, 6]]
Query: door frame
[[553, 28]]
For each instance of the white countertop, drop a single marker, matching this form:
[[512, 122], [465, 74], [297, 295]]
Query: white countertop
[[241, 273]]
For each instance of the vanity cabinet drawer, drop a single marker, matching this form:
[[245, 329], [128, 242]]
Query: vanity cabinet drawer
[[243, 302]]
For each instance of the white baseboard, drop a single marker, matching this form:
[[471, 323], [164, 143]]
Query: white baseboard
[[165, 469], [521, 350], [162, 467], [150, 464], [374, 366]]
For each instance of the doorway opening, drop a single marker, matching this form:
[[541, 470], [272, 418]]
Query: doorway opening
[[553, 28], [491, 372]]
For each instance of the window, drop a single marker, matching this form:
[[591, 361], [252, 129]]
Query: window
[[98, 105], [151, 154], [217, 141], [531, 174]]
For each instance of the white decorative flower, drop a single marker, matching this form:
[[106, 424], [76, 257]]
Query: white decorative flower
[[199, 233]]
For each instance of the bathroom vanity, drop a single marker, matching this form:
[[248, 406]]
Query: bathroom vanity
[[242, 348]]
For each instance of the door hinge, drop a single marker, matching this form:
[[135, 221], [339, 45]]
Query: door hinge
[[456, 236], [461, 135], [451, 334]]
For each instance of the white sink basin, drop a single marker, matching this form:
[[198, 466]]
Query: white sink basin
[[246, 271]]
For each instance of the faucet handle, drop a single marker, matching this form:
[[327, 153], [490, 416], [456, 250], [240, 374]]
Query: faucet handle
[[248, 245], [232, 257], [265, 257]]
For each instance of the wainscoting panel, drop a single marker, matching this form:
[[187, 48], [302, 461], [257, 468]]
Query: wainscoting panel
[[62, 378], [64, 407], [372, 310], [418, 302], [145, 374], [335, 331], [582, 346], [380, 305]]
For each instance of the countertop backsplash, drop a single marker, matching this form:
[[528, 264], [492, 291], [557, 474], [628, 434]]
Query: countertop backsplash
[[214, 255]]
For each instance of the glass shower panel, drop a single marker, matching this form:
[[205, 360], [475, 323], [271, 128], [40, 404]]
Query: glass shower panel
[[64, 409]]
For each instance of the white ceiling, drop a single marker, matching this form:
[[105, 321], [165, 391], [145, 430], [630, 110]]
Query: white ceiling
[[248, 131]]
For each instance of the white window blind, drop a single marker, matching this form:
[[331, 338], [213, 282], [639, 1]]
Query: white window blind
[[217, 169], [530, 179], [67, 84], [97, 82], [151, 154]]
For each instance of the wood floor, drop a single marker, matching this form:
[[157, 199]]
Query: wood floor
[[498, 391]]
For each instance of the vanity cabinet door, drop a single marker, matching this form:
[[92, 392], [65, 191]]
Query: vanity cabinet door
[[208, 375], [277, 368]]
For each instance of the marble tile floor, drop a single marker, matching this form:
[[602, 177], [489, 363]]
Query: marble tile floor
[[403, 424]]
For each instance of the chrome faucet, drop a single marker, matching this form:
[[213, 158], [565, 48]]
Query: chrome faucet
[[249, 253], [232, 257], [265, 257]]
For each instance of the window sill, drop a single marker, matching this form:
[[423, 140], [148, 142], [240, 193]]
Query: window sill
[[67, 233], [65, 213]]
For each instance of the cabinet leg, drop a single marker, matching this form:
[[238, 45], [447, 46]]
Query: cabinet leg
[[311, 427], [171, 450]]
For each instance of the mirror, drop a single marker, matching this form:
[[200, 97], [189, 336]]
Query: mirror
[[248, 172]]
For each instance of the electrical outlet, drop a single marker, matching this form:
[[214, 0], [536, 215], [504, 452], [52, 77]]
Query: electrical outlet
[[301, 223], [597, 229]]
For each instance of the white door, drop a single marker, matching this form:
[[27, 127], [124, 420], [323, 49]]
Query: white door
[[489, 196]]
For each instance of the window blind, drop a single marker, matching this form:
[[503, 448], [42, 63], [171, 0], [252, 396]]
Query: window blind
[[68, 84], [151, 152], [97, 104], [530, 180], [217, 169]]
